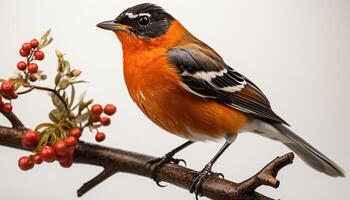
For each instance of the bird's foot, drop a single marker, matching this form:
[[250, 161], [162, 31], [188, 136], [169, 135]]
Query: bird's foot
[[157, 163], [199, 178]]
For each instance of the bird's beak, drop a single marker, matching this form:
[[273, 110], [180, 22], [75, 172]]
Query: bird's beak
[[113, 26]]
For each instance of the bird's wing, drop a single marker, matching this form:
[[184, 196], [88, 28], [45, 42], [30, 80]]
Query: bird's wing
[[205, 74]]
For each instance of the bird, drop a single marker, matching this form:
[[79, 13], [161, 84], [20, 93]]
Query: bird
[[186, 88]]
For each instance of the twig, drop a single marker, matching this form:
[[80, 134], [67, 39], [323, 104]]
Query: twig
[[53, 91], [106, 173], [267, 176], [135, 163]]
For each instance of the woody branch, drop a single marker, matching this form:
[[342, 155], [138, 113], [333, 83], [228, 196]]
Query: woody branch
[[116, 160]]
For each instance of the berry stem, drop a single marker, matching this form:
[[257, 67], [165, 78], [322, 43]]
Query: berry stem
[[26, 91], [53, 91]]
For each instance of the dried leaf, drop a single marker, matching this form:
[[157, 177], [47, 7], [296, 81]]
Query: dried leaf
[[66, 66], [81, 106], [58, 78], [81, 99], [44, 125], [57, 103], [45, 39], [83, 117], [59, 54], [72, 96], [46, 34], [64, 83], [89, 102], [77, 82], [55, 116]]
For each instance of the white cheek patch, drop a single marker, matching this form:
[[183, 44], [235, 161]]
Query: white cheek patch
[[134, 16]]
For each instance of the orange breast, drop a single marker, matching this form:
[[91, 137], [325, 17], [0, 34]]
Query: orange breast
[[156, 88]]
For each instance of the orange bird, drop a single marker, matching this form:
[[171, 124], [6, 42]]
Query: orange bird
[[186, 88]]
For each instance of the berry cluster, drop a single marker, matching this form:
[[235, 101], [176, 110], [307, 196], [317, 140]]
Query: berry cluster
[[62, 150], [31, 51], [55, 140], [97, 111]]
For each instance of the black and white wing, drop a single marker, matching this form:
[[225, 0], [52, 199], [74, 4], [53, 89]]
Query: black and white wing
[[204, 73]]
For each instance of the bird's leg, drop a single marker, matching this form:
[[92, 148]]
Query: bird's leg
[[157, 163], [202, 175]]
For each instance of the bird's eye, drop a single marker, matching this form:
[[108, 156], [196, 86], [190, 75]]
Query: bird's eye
[[143, 20]]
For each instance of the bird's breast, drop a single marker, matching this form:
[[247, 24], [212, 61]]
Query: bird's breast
[[156, 88]]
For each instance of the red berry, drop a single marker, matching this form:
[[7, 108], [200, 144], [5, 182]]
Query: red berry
[[14, 95], [30, 139], [75, 132], [67, 163], [26, 47], [70, 141], [7, 107], [109, 109], [23, 53], [34, 43], [39, 55], [62, 158], [21, 65], [0, 98], [47, 154], [96, 109], [99, 137], [7, 87], [36, 159], [25, 163], [33, 68], [105, 121], [33, 78], [60, 148]]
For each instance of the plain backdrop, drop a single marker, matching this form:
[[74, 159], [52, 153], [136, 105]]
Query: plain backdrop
[[297, 52]]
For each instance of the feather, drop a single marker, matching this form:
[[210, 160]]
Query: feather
[[204, 73]]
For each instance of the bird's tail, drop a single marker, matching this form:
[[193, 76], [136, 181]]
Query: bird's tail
[[304, 150]]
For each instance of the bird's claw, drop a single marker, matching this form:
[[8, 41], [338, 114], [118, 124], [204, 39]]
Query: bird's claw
[[158, 183], [179, 161], [199, 178], [157, 163]]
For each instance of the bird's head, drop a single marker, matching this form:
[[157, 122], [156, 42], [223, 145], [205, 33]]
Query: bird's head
[[142, 24]]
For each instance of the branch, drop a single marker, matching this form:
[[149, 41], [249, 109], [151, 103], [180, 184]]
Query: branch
[[106, 173], [15, 122], [117, 160]]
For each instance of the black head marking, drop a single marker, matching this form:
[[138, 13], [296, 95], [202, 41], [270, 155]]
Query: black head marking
[[147, 20]]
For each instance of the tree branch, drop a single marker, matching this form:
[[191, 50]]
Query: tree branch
[[106, 173], [15, 122], [117, 160]]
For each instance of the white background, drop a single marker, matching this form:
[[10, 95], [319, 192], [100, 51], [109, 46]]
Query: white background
[[297, 52]]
